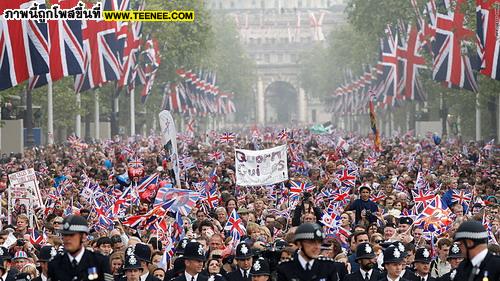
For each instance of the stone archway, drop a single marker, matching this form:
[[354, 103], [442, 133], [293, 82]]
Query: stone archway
[[270, 88], [281, 103]]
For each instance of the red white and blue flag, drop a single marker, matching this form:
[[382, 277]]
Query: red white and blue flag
[[227, 137], [451, 63], [235, 224], [176, 200], [66, 54], [24, 46]]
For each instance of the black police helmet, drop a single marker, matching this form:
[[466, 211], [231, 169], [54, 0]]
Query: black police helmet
[[194, 251], [365, 251], [74, 224], [309, 231]]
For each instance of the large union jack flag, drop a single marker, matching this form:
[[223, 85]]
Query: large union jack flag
[[24, 46], [101, 53], [434, 218], [451, 63], [488, 31], [66, 50]]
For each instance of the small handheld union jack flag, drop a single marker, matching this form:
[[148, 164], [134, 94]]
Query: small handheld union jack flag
[[235, 224], [346, 177], [227, 137], [283, 135]]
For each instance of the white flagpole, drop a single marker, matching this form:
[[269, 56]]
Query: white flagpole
[[478, 119], [97, 135], [50, 114], [132, 113], [78, 127]]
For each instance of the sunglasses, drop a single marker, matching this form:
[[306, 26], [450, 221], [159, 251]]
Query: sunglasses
[[379, 241]]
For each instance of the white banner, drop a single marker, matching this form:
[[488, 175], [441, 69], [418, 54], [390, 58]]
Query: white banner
[[261, 167], [24, 194], [169, 140]]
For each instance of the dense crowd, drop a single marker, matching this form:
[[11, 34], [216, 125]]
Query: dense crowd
[[365, 208]]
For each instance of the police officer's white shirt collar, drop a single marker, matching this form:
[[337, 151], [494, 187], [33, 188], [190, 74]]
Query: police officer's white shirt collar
[[144, 276], [303, 261], [363, 273], [424, 277], [189, 276], [4, 276], [390, 279], [402, 273], [43, 277], [78, 257], [478, 259], [243, 272]]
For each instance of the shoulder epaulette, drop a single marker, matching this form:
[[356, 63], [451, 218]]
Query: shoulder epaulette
[[286, 260], [325, 259]]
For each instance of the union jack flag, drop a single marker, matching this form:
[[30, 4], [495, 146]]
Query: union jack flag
[[297, 188], [102, 215], [487, 31], [211, 197], [176, 200], [434, 218], [37, 238], [342, 195], [451, 63], [66, 51], [235, 225], [346, 177], [422, 199], [283, 135], [391, 72], [461, 196], [217, 156], [24, 46], [227, 137], [101, 56]]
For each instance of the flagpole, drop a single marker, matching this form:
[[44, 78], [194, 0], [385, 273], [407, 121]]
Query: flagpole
[[78, 127], [132, 112], [97, 135], [50, 114], [478, 119]]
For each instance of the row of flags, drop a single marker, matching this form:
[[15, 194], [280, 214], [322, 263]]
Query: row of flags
[[197, 94], [457, 53], [93, 51]]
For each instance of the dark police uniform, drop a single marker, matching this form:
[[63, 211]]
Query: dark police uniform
[[324, 269], [489, 268], [423, 255], [47, 253], [394, 254], [242, 252], [193, 251], [92, 266], [364, 251], [453, 253]]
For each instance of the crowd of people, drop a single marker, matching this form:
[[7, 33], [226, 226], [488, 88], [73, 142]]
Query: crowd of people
[[412, 209]]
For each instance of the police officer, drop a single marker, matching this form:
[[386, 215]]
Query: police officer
[[479, 264], [244, 260], [406, 272], [10, 272], [47, 253], [77, 263], [422, 264], [393, 264], [143, 253], [194, 257], [306, 264], [132, 268], [178, 262], [367, 260], [455, 257], [260, 270]]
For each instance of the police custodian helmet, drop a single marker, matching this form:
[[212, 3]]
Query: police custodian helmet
[[75, 224], [309, 231]]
